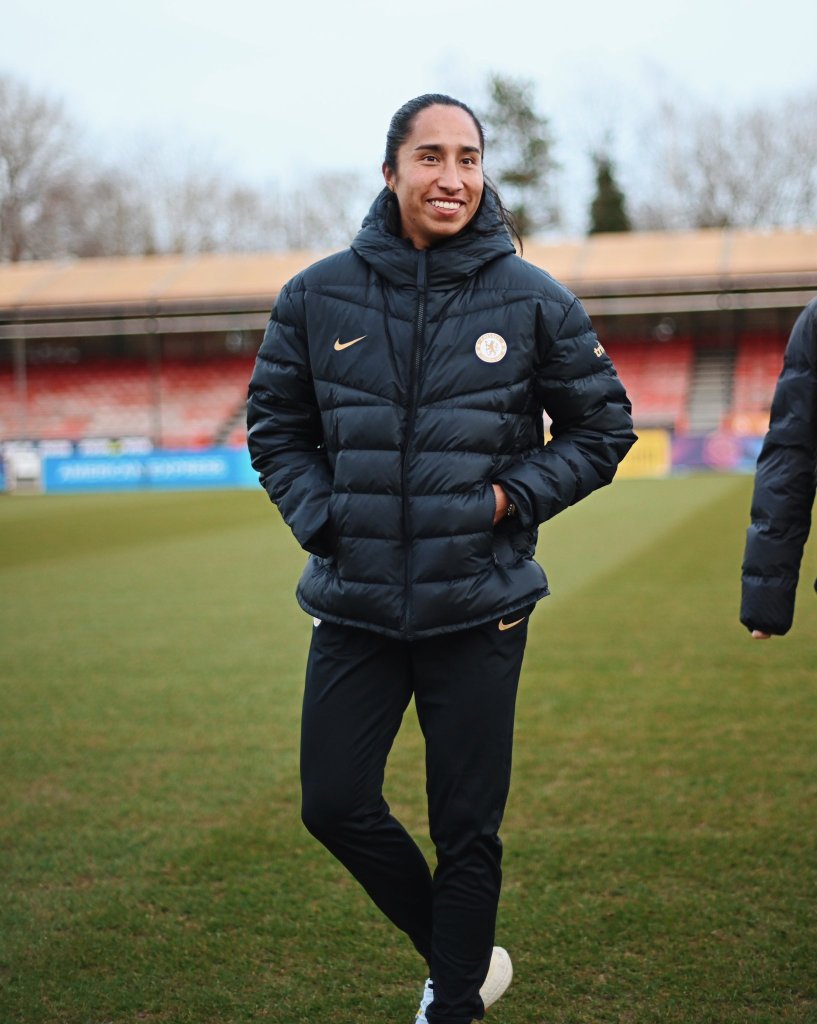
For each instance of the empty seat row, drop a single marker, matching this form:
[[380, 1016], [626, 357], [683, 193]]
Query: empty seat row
[[198, 402]]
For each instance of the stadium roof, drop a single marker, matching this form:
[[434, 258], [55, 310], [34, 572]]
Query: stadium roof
[[614, 274]]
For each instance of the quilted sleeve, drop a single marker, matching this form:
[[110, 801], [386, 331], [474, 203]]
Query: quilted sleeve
[[784, 488], [592, 429], [284, 432]]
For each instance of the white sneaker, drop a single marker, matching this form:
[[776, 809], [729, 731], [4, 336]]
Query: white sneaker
[[426, 1001], [500, 972]]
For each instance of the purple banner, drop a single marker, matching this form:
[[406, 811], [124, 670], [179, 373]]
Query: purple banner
[[722, 452]]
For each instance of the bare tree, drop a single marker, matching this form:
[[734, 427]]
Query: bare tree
[[39, 172], [756, 167], [195, 206], [108, 216], [55, 201], [325, 212]]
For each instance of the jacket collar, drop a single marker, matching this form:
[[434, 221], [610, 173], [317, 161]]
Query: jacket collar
[[450, 262]]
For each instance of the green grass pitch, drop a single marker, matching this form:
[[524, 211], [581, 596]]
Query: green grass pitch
[[660, 841]]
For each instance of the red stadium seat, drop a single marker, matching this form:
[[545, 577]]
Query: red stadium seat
[[657, 377], [757, 367], [198, 400]]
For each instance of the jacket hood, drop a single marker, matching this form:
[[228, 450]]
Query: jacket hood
[[457, 258]]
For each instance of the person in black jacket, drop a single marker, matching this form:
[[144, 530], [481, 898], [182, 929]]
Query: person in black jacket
[[395, 417], [784, 489]]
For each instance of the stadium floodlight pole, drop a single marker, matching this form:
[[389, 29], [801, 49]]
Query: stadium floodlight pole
[[154, 358], [20, 382]]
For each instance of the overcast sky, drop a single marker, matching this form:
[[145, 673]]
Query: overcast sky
[[277, 90]]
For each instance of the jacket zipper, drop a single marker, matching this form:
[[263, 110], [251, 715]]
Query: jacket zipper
[[419, 336]]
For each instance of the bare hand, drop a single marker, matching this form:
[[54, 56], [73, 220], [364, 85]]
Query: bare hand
[[502, 501], [758, 634]]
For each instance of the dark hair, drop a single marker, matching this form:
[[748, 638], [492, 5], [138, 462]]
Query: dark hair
[[402, 124]]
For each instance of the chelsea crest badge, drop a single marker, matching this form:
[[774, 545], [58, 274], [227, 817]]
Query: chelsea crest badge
[[490, 348]]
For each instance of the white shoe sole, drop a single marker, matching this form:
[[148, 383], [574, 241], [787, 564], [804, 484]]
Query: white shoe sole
[[500, 973]]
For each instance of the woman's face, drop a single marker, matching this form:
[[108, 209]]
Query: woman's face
[[438, 179]]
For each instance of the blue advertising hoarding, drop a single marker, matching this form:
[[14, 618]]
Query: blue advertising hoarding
[[230, 467], [167, 470]]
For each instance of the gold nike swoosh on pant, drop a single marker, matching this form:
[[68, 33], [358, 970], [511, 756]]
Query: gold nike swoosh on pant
[[341, 345], [510, 625]]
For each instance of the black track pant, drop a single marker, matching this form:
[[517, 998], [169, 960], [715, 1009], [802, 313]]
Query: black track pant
[[358, 684]]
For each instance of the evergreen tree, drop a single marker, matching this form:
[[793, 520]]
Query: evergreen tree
[[519, 149], [608, 211]]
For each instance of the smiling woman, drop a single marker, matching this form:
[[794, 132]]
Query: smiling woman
[[395, 418], [443, 136], [437, 175]]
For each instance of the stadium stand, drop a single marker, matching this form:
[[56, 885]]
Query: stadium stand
[[200, 399], [184, 404], [196, 403], [757, 366], [657, 377], [160, 348]]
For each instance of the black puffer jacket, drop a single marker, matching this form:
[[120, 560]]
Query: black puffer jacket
[[392, 388], [784, 487]]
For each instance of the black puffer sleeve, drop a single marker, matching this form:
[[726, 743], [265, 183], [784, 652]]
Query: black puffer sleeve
[[592, 427], [784, 487], [284, 432]]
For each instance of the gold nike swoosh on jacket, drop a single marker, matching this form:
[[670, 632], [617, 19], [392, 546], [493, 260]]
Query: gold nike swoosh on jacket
[[341, 345], [510, 625]]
